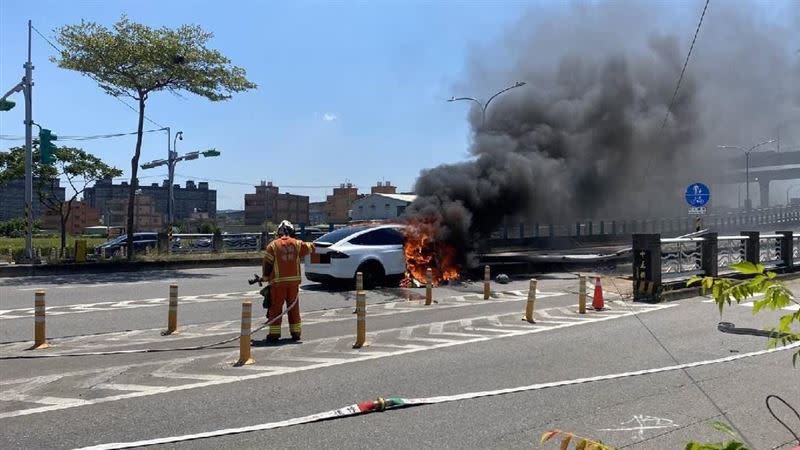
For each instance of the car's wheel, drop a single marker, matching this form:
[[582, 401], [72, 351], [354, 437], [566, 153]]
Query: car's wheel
[[373, 274]]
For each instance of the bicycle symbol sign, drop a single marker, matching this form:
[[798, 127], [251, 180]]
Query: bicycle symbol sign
[[697, 194]]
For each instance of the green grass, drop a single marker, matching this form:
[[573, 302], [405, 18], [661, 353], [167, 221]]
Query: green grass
[[17, 245], [46, 243]]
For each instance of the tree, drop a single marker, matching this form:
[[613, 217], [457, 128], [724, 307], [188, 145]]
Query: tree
[[269, 226], [77, 167], [15, 227], [134, 60], [206, 226]]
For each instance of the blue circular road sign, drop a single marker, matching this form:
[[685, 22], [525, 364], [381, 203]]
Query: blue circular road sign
[[697, 194]]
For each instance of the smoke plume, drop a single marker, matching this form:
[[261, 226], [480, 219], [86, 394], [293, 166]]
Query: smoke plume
[[586, 137]]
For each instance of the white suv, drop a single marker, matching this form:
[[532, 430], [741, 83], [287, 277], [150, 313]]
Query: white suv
[[376, 251]]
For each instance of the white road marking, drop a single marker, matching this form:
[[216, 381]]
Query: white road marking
[[553, 318], [749, 304], [361, 355], [380, 309], [644, 423], [353, 409], [21, 313], [140, 388]]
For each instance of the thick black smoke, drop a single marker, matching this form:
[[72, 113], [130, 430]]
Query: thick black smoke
[[585, 137]]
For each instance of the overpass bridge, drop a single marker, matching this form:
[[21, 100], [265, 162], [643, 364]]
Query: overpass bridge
[[765, 167]]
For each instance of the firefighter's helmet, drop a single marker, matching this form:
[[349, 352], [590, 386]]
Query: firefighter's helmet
[[286, 228]]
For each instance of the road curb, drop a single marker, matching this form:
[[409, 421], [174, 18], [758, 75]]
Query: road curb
[[106, 267], [673, 291]]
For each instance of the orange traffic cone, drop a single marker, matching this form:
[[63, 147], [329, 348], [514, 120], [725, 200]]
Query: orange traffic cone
[[597, 302]]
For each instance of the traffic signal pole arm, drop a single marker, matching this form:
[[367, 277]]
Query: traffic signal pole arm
[[6, 105]]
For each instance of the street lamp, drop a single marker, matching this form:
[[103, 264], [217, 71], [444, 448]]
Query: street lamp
[[171, 162], [486, 105], [747, 167]]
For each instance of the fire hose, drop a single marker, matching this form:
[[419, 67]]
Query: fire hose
[[264, 292], [728, 327]]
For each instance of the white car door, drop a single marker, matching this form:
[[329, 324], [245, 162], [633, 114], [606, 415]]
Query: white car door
[[384, 244]]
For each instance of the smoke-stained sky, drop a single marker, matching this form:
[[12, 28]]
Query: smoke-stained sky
[[584, 138]]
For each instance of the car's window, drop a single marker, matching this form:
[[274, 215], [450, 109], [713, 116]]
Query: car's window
[[337, 235], [382, 236]]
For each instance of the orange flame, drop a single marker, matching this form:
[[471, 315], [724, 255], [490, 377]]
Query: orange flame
[[422, 251]]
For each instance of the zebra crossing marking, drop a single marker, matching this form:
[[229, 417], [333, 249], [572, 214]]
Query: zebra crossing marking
[[324, 353]]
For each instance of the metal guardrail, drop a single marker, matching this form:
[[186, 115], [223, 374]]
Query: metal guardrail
[[721, 222], [658, 260], [681, 255], [204, 243]]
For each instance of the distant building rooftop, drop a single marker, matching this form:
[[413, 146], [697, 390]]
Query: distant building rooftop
[[402, 197]]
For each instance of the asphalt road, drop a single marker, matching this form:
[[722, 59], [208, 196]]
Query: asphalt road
[[91, 303], [461, 344]]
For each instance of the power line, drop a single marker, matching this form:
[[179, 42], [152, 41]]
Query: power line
[[6, 137], [241, 183], [95, 79], [685, 63], [675, 93], [163, 175]]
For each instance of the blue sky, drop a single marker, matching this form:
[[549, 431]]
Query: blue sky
[[347, 90]]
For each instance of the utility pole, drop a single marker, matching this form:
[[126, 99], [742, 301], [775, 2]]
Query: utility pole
[[28, 90], [172, 160], [26, 86]]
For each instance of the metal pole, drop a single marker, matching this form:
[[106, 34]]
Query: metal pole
[[747, 182], [169, 155], [29, 153], [173, 159]]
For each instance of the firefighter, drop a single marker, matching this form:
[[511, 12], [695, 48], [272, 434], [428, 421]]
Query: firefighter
[[282, 268]]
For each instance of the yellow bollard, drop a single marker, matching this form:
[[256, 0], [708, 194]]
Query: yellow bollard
[[39, 334], [361, 312], [172, 315], [487, 278], [582, 295], [244, 339], [531, 302], [428, 286], [80, 251]]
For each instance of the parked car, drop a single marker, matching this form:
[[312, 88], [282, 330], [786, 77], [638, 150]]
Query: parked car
[[376, 251], [141, 242]]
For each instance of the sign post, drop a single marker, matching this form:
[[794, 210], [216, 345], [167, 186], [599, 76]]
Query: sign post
[[697, 196]]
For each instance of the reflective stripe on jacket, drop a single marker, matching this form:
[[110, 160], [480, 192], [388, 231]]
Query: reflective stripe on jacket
[[285, 254]]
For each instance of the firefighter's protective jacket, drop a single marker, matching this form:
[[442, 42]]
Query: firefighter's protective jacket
[[285, 254]]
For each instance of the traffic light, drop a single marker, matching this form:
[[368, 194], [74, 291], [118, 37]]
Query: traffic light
[[6, 105], [211, 152], [46, 147]]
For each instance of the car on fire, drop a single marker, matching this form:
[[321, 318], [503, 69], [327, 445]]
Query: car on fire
[[375, 251]]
